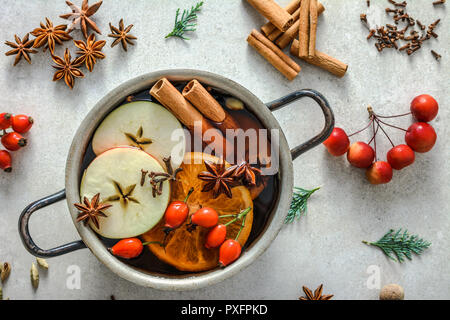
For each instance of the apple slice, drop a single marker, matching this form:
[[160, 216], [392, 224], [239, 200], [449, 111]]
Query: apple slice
[[145, 125], [116, 175]]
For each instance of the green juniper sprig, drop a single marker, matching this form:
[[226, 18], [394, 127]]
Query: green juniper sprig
[[299, 204], [397, 245], [186, 22]]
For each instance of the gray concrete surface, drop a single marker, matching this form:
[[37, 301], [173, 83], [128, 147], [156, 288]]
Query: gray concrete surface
[[325, 246]]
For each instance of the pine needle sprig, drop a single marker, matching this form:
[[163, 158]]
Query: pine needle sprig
[[299, 204], [398, 245], [186, 23]]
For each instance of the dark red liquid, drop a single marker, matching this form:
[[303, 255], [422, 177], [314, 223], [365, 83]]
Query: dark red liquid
[[263, 205]]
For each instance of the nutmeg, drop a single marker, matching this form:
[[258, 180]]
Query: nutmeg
[[392, 292]]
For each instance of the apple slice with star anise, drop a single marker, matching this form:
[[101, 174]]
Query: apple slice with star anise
[[116, 175], [144, 125]]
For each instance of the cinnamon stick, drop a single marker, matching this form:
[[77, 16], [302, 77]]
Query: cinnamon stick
[[285, 39], [322, 60], [274, 55], [276, 33], [268, 28], [312, 27], [279, 17], [195, 93], [304, 29], [173, 100]]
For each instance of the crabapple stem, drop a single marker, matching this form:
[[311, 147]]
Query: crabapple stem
[[375, 139], [387, 136], [397, 116], [391, 125], [355, 133]]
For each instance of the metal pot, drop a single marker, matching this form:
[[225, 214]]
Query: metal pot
[[112, 100]]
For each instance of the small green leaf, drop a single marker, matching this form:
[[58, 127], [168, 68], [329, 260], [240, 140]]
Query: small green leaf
[[398, 245], [299, 204]]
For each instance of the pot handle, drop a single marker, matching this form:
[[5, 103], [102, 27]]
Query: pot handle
[[327, 112], [25, 233]]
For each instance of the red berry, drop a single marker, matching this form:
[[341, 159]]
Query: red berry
[[400, 156], [5, 121], [360, 155], [5, 161], [216, 236], [379, 173], [13, 141], [337, 143], [229, 251], [421, 137], [128, 248], [22, 123], [424, 108], [205, 217], [176, 214]]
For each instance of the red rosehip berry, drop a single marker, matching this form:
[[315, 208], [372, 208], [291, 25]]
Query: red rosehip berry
[[205, 217], [229, 252], [127, 248], [5, 120], [13, 141], [22, 123], [5, 161], [216, 236]]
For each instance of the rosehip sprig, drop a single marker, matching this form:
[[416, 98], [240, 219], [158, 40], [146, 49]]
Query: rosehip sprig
[[12, 140]]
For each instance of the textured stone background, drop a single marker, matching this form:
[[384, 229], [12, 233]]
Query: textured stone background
[[325, 246]]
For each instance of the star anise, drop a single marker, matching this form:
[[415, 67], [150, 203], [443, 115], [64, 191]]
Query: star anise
[[48, 34], [67, 68], [22, 48], [81, 16], [317, 294], [250, 175], [91, 210], [218, 178], [121, 35], [90, 51]]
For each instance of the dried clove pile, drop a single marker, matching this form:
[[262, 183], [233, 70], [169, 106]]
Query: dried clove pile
[[404, 34]]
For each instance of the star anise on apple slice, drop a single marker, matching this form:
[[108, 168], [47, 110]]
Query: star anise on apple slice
[[22, 48], [317, 294], [137, 139], [250, 175], [91, 210], [218, 178], [90, 51], [81, 16], [121, 35], [67, 68], [123, 195], [48, 35]]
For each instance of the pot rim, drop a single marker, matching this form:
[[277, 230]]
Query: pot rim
[[187, 282]]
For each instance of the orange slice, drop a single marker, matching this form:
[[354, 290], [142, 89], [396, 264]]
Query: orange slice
[[186, 250]]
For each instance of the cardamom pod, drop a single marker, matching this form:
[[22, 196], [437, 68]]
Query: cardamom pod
[[42, 263], [5, 270], [34, 276]]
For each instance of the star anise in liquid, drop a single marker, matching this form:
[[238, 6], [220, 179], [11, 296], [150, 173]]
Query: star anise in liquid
[[91, 210], [90, 51], [121, 35], [250, 175], [22, 48], [81, 16], [123, 195], [137, 140], [48, 35], [317, 294], [67, 68], [218, 178]]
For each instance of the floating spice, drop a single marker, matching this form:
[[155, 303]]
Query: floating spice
[[218, 178], [91, 210]]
